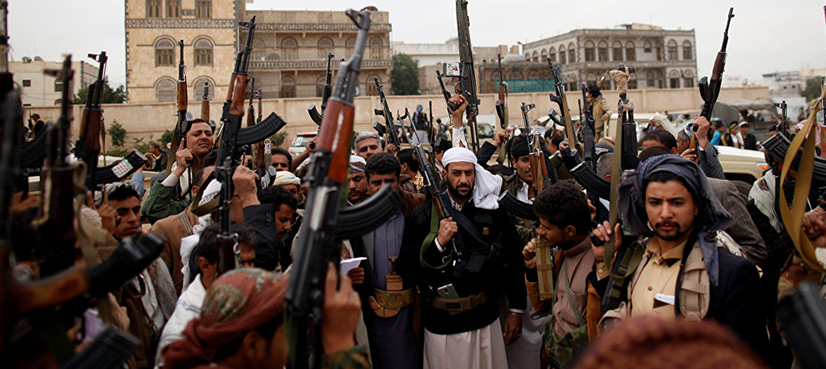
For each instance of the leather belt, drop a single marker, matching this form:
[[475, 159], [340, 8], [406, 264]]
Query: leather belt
[[460, 305]]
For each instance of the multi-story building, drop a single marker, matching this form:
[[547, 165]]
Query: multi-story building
[[41, 89], [289, 49], [662, 58]]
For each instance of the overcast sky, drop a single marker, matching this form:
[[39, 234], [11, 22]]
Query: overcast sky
[[765, 36]]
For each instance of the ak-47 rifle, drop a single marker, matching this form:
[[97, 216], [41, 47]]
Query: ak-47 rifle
[[710, 89], [783, 124], [233, 137], [263, 160], [205, 103], [502, 110], [466, 85], [539, 169], [226, 240], [251, 122], [182, 126], [450, 106], [559, 99], [325, 95], [87, 148], [328, 171], [588, 133], [390, 131]]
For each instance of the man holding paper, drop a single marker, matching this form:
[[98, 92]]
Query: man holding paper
[[387, 299]]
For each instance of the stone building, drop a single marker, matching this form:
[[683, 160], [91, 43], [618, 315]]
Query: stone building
[[41, 89], [289, 49], [663, 58]]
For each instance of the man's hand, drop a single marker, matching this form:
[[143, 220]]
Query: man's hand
[[108, 218], [513, 329], [690, 154], [447, 229], [500, 136], [529, 254], [18, 204], [356, 275], [244, 180], [461, 104], [606, 117], [702, 131], [392, 149], [311, 145], [814, 224], [183, 157], [604, 233], [341, 313], [592, 209]]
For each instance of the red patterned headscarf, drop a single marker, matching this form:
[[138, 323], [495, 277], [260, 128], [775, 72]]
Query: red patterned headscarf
[[238, 301]]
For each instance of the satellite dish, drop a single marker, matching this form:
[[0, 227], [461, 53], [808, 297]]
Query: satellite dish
[[27, 59], [37, 58]]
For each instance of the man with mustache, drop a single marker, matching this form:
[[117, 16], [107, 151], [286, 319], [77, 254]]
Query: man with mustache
[[463, 263], [189, 159], [357, 190], [684, 273]]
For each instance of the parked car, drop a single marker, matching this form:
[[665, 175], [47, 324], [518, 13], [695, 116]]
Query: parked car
[[300, 143]]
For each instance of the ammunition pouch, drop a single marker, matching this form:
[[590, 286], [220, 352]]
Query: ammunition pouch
[[461, 304], [120, 169]]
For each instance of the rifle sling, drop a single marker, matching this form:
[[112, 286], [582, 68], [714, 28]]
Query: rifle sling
[[793, 218], [461, 220]]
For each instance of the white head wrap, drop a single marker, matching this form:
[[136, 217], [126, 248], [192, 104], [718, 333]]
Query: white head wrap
[[486, 187], [286, 178]]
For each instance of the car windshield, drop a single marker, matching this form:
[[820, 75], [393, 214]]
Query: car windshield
[[485, 131], [301, 141]]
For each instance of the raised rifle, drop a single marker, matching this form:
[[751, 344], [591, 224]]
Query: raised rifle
[[539, 169], [502, 110], [466, 85], [251, 122], [263, 160], [559, 99], [182, 126], [588, 133], [325, 95], [87, 148], [450, 106], [233, 137], [392, 135], [227, 241], [783, 125], [710, 88], [205, 103], [327, 172]]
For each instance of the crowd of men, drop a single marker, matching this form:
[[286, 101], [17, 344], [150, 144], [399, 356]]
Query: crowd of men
[[472, 288]]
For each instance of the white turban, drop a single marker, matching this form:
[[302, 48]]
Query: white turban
[[486, 187], [283, 178]]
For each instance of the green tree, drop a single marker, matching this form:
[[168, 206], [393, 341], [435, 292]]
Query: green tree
[[109, 96], [812, 90], [117, 134], [278, 138], [405, 75]]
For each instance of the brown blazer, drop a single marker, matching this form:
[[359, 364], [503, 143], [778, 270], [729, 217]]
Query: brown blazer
[[173, 229]]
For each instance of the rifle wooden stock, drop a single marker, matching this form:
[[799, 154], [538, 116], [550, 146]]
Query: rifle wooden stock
[[239, 90], [182, 96], [205, 103], [331, 134], [90, 129]]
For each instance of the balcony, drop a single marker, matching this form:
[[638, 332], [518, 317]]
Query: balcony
[[313, 58], [605, 65]]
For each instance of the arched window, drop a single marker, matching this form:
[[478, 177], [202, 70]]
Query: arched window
[[535, 56], [552, 54], [495, 76], [591, 78], [289, 49], [616, 48], [203, 52], [647, 46], [543, 55], [153, 8], [350, 45], [534, 74], [571, 53], [632, 81], [688, 53], [516, 76], [649, 79], [375, 48], [325, 46], [164, 52], [287, 88], [527, 56], [672, 50], [58, 102], [590, 51], [674, 79], [688, 78], [602, 51], [372, 89], [165, 90], [203, 9], [630, 51], [563, 55], [198, 89]]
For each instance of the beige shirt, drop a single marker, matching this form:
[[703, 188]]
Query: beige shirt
[[579, 262], [658, 277]]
